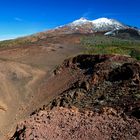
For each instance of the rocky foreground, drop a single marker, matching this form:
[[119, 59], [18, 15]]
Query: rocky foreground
[[102, 102]]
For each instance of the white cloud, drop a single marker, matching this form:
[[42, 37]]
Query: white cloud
[[18, 19], [86, 14]]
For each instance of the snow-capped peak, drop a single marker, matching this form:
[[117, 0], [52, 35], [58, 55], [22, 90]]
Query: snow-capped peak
[[101, 24], [80, 21], [104, 22]]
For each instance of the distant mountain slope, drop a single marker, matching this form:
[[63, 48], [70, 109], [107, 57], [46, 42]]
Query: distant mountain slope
[[125, 33], [102, 25]]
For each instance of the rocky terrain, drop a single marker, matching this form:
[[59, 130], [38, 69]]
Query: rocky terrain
[[100, 101], [25, 71], [51, 88]]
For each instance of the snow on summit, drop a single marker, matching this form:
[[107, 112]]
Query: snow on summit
[[80, 22], [105, 22], [99, 24], [104, 25]]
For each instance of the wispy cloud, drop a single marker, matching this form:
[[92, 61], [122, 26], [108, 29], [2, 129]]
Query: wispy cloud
[[86, 14], [18, 19]]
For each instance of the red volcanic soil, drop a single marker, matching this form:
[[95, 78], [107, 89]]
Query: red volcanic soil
[[70, 124], [100, 100], [25, 70]]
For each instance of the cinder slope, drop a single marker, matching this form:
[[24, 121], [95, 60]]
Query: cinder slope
[[17, 85], [95, 97], [24, 75]]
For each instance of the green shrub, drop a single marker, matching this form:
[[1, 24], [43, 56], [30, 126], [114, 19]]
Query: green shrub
[[135, 53], [110, 45]]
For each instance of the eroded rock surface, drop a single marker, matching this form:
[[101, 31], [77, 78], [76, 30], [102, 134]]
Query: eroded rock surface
[[102, 103]]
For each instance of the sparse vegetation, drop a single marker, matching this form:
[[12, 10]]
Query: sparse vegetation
[[12, 43], [111, 45], [23, 41]]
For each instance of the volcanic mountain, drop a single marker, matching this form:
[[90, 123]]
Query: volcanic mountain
[[102, 25]]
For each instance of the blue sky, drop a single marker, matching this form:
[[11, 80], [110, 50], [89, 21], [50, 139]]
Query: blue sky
[[23, 17]]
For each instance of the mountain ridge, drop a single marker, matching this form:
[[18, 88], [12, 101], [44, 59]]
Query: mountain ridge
[[105, 25], [100, 23]]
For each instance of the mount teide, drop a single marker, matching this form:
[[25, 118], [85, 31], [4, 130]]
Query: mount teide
[[104, 26]]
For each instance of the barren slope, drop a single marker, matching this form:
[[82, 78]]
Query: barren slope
[[99, 99], [23, 72]]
